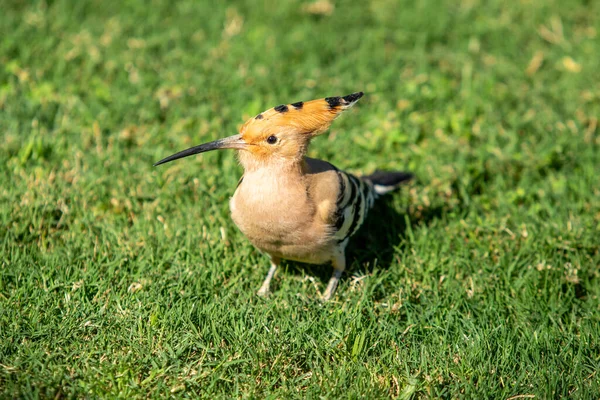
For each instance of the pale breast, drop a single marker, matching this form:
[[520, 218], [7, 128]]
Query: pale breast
[[279, 217]]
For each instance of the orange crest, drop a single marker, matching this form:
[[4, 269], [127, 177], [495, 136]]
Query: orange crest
[[305, 118], [284, 132]]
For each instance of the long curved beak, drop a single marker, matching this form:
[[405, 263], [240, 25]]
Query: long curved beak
[[231, 142]]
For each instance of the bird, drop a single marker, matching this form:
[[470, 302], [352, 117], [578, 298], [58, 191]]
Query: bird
[[290, 206]]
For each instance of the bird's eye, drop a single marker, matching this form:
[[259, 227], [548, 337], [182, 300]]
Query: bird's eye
[[272, 139]]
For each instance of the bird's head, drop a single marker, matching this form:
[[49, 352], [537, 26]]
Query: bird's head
[[280, 134]]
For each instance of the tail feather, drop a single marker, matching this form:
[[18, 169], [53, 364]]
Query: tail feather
[[387, 181]]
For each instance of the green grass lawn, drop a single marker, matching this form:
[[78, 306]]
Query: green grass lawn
[[480, 279]]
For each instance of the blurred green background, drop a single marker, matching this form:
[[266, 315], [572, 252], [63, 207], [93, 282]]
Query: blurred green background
[[480, 279]]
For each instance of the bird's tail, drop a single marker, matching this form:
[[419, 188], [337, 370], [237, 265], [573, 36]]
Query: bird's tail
[[387, 181]]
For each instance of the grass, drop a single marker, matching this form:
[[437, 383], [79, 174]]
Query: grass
[[478, 280]]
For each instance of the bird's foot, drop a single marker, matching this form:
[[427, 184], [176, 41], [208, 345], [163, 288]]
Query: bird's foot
[[331, 286], [265, 289], [263, 292]]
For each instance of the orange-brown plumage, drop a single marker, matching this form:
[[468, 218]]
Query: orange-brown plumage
[[294, 124], [304, 118], [288, 205]]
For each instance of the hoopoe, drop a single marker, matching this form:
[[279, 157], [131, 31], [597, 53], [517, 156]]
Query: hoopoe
[[290, 206]]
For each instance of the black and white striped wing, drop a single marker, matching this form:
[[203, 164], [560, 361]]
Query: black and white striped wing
[[355, 198]]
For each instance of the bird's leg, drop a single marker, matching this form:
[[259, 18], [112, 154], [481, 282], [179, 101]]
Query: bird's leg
[[339, 265], [265, 288]]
